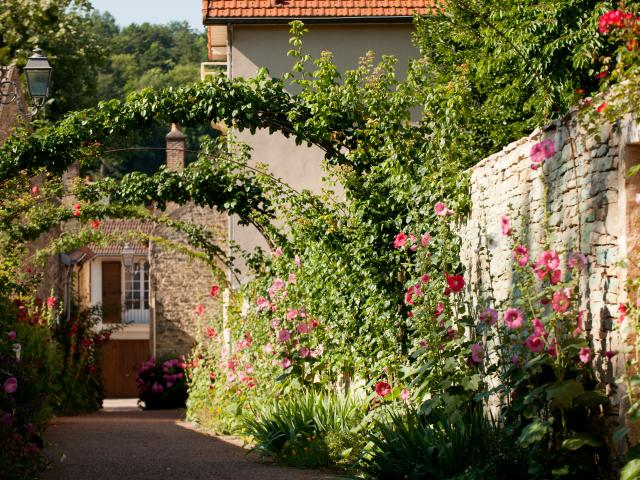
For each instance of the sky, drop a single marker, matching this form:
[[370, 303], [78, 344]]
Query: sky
[[152, 11]]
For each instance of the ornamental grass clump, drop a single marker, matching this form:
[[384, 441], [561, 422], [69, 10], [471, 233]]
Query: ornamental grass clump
[[306, 429]]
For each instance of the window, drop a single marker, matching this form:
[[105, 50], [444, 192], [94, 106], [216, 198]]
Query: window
[[136, 293]]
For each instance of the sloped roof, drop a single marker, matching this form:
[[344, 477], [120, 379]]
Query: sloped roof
[[261, 11], [121, 226]]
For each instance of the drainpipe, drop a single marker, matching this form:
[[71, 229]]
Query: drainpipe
[[69, 262]]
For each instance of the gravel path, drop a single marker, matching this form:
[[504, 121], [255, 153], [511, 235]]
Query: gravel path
[[130, 444]]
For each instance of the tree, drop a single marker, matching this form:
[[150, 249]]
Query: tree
[[62, 28]]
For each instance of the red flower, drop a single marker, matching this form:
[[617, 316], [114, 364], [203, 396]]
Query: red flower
[[35, 189], [383, 389], [76, 210], [455, 282], [52, 302], [622, 310], [614, 18], [95, 224], [560, 302], [505, 225], [400, 240], [214, 290], [211, 332], [601, 107], [86, 343], [601, 75]]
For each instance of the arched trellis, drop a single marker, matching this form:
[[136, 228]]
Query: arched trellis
[[246, 104]]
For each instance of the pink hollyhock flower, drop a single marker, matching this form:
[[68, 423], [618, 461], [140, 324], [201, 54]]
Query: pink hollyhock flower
[[505, 225], [248, 368], [297, 261], [277, 286], [95, 224], [521, 255], [292, 313], [277, 252], [383, 389], [538, 328], [585, 354], [489, 316], [11, 336], [552, 350], [455, 282], [408, 298], [542, 151], [477, 353], [550, 259], [578, 260], [231, 377], [262, 303], [400, 240], [303, 327], [304, 352], [439, 309], [284, 335], [425, 278], [215, 289], [405, 394], [199, 309], [513, 318], [314, 323], [534, 343], [441, 209], [610, 354], [414, 246], [274, 323], [580, 327], [52, 302], [540, 271], [555, 277], [286, 363], [268, 349], [316, 352], [10, 385], [560, 302], [425, 240], [292, 278]]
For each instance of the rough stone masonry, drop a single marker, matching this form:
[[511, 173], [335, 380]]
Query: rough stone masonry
[[584, 196]]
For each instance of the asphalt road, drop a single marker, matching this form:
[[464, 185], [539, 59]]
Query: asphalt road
[[130, 444]]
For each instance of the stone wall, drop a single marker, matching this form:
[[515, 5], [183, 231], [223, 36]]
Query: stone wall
[[178, 283], [588, 206]]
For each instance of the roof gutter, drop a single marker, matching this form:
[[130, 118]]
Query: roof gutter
[[306, 20]]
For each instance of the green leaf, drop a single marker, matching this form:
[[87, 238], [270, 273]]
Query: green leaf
[[631, 471], [560, 472], [592, 398], [532, 433], [580, 440], [562, 394]]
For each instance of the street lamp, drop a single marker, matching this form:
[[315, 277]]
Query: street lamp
[[127, 255], [38, 73]]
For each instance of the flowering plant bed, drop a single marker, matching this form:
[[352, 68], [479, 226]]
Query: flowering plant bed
[[161, 384]]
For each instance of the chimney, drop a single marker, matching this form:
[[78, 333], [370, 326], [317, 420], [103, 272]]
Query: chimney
[[175, 149]]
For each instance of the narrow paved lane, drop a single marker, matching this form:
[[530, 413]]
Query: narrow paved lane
[[129, 444]]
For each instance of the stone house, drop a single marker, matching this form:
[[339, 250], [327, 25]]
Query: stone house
[[149, 288], [244, 36]]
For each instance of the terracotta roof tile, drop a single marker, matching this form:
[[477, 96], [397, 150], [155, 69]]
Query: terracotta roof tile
[[265, 9], [116, 226]]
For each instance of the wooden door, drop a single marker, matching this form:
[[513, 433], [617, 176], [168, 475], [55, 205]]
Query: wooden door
[[120, 362], [111, 292]]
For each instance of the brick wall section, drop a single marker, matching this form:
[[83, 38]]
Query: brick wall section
[[600, 197], [178, 283], [175, 149]]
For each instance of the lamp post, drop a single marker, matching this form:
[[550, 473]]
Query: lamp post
[[38, 73]]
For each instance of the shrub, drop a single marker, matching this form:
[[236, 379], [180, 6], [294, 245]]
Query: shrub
[[463, 445], [80, 378], [162, 384], [30, 362], [304, 430]]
